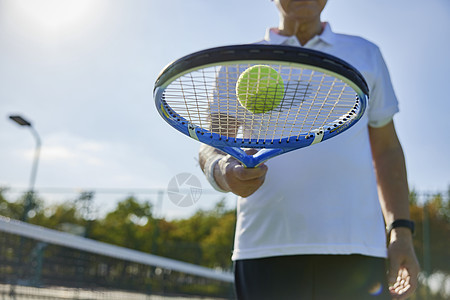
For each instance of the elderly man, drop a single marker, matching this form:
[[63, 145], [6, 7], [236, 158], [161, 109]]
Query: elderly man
[[302, 236]]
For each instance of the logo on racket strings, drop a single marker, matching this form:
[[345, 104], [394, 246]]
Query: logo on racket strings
[[184, 189]]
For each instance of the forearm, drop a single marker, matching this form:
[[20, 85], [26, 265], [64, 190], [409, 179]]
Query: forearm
[[390, 169], [393, 189], [392, 184], [389, 163]]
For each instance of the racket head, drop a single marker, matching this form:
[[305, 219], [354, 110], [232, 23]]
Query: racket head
[[323, 97]]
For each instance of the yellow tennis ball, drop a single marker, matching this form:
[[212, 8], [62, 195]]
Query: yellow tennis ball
[[260, 89]]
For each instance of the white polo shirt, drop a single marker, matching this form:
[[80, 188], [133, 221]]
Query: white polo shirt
[[323, 199]]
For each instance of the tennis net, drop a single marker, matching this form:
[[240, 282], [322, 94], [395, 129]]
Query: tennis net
[[41, 263]]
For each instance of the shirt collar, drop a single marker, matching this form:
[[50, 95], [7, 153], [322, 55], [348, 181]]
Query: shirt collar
[[328, 36], [273, 37]]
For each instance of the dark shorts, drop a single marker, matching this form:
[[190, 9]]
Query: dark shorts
[[327, 277]]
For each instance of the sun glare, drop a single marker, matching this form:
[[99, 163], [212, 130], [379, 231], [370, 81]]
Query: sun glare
[[52, 16]]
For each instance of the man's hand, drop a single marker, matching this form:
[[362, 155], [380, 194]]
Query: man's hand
[[231, 175], [403, 265]]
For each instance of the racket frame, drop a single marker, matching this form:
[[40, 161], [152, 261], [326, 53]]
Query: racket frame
[[258, 54]]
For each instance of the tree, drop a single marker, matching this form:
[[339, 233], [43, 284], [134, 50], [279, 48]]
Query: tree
[[432, 233], [15, 210], [124, 226], [217, 246], [9, 209]]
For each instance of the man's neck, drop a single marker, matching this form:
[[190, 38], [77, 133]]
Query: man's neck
[[303, 31]]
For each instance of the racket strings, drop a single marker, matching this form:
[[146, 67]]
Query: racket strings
[[297, 96], [321, 106], [299, 110], [312, 100], [338, 100], [227, 123]]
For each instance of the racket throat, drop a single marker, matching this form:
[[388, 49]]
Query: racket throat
[[252, 161]]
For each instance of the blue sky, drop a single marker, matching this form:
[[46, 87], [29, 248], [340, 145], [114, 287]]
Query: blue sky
[[83, 71]]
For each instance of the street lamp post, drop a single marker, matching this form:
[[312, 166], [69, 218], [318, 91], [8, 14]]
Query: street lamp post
[[29, 198]]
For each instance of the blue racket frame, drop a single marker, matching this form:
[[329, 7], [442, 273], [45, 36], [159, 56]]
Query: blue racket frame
[[268, 149]]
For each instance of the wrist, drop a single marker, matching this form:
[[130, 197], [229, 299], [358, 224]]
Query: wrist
[[403, 234], [400, 229], [211, 169]]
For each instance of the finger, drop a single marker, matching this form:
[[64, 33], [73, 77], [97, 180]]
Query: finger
[[247, 187], [410, 282], [402, 288], [244, 173], [251, 151]]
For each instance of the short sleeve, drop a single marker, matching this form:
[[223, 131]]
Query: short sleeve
[[383, 103]]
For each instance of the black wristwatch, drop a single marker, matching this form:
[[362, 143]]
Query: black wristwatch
[[400, 223]]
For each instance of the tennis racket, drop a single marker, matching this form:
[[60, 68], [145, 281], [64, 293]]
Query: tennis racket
[[322, 97]]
